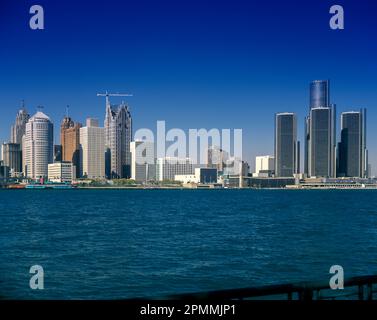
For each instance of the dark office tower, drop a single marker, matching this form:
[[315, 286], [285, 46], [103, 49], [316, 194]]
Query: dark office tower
[[306, 145], [285, 144], [58, 153], [321, 144], [352, 148], [319, 93]]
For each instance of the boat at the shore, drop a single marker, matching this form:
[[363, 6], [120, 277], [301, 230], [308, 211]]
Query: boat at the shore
[[39, 186]]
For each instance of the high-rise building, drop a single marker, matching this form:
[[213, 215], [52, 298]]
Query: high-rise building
[[143, 167], [12, 157], [167, 168], [322, 144], [70, 141], [286, 146], [92, 150], [18, 129], [319, 94], [352, 147], [38, 146], [118, 135], [265, 164], [320, 132]]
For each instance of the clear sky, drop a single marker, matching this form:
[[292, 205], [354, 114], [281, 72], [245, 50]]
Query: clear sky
[[194, 64]]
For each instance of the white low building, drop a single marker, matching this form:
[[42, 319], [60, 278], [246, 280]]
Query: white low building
[[202, 175], [186, 178], [61, 172]]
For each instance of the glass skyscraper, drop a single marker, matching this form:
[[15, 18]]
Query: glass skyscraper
[[321, 145], [352, 148], [118, 136], [319, 93], [286, 146]]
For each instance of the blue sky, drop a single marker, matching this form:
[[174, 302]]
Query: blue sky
[[194, 64]]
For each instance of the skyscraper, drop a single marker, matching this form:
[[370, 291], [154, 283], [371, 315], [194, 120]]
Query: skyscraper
[[18, 129], [322, 144], [92, 150], [319, 93], [286, 152], [352, 147], [70, 142], [118, 135], [38, 146]]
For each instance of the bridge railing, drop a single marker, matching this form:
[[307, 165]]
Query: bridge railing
[[355, 288]]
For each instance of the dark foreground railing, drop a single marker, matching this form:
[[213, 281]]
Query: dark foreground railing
[[356, 288]]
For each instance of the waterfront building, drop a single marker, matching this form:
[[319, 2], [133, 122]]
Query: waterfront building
[[143, 166], [70, 142], [202, 176], [322, 142], [38, 146], [352, 147], [92, 150], [19, 127], [11, 155], [168, 167], [61, 172], [264, 164], [118, 135], [286, 146]]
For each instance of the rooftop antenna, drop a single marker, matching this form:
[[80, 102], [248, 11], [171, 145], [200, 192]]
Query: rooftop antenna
[[107, 95], [22, 104], [67, 111], [40, 108]]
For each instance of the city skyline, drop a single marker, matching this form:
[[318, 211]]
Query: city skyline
[[201, 73], [324, 154]]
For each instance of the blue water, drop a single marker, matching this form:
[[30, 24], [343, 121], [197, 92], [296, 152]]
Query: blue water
[[108, 244]]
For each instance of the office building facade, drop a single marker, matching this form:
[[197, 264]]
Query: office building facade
[[38, 146], [167, 168], [353, 159], [92, 150], [118, 136], [264, 164], [61, 172], [143, 164], [70, 142], [286, 146], [11, 155], [322, 142]]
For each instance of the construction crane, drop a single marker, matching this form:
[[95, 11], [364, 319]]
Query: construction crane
[[107, 95]]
